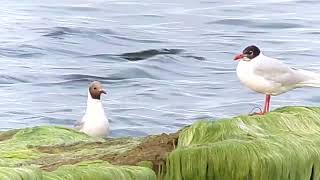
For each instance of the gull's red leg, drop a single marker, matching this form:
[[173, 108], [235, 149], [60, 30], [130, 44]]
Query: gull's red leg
[[266, 107], [268, 98]]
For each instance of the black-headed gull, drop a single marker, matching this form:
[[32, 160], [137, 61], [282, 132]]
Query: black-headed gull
[[270, 76], [94, 123]]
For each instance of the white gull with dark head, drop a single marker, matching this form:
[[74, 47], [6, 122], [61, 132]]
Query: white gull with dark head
[[95, 122], [270, 76]]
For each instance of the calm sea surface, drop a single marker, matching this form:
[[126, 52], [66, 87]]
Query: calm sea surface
[[164, 63]]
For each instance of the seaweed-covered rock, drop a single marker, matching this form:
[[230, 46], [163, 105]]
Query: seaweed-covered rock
[[284, 144], [60, 153], [93, 170], [22, 173], [97, 170]]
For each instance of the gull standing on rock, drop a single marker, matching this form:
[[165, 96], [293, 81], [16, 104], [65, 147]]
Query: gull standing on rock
[[94, 123], [270, 76]]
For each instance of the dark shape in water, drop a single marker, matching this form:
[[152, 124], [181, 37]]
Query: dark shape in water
[[195, 57], [141, 55], [60, 31]]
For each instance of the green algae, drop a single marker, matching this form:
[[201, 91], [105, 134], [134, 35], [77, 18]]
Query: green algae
[[18, 146], [54, 156], [99, 170], [49, 152], [93, 170], [284, 144], [22, 173]]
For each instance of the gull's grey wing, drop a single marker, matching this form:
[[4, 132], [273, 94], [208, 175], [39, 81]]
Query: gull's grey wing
[[278, 72]]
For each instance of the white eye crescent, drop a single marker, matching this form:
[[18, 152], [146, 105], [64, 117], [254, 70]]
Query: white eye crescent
[[251, 52]]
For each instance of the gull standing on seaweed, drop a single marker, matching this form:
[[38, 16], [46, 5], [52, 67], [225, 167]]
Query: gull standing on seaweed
[[94, 123], [270, 76]]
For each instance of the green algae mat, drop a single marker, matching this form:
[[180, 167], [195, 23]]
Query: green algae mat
[[61, 153], [282, 145], [81, 171]]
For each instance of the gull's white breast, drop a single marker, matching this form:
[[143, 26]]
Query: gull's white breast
[[95, 122]]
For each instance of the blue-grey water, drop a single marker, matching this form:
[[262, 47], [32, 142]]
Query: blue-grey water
[[164, 63]]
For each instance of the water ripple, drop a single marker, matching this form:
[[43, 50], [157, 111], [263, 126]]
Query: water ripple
[[257, 24], [145, 54], [165, 64]]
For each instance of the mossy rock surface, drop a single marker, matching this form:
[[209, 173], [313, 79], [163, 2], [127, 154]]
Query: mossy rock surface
[[49, 152], [91, 170], [97, 170], [284, 144]]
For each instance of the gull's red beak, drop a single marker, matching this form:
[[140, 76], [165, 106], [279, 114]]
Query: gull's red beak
[[238, 57]]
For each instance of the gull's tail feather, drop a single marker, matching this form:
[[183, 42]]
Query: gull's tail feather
[[311, 83], [311, 79]]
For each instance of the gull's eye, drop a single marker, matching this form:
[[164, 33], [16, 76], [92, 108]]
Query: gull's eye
[[94, 88], [251, 52]]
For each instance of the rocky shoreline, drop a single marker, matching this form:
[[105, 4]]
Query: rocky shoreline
[[48, 148], [284, 144]]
